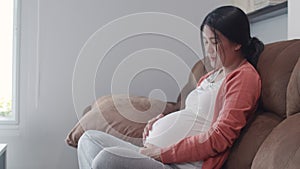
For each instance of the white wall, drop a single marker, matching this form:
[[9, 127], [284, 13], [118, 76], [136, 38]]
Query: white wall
[[53, 33], [271, 30], [293, 19], [282, 27]]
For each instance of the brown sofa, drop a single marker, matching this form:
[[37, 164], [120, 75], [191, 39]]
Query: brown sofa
[[271, 140]]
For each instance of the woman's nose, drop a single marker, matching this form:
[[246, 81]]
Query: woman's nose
[[210, 48]]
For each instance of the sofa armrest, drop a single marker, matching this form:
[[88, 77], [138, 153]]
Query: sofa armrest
[[281, 148]]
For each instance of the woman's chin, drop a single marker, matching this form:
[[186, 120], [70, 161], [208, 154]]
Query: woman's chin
[[213, 65]]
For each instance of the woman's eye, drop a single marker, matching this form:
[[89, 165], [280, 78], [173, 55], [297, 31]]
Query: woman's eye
[[215, 42]]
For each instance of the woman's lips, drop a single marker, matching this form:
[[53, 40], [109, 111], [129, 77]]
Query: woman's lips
[[212, 58]]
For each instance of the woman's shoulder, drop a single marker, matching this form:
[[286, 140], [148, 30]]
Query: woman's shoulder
[[243, 77], [244, 71]]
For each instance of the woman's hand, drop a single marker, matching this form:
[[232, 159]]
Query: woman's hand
[[151, 151], [149, 125]]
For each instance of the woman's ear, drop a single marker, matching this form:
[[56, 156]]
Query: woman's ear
[[237, 47]]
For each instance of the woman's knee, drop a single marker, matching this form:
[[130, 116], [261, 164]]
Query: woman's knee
[[83, 140], [105, 159], [86, 140]]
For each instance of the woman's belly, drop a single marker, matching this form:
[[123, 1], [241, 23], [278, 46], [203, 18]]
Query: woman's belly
[[176, 126]]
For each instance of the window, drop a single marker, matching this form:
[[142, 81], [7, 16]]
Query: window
[[9, 12]]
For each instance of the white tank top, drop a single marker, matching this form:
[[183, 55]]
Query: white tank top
[[194, 119]]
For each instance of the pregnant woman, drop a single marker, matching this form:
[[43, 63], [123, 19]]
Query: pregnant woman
[[200, 135]]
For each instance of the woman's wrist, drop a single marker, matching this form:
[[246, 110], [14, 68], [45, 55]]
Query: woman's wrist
[[151, 151]]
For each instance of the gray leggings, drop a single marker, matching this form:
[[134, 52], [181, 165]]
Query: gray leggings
[[97, 150]]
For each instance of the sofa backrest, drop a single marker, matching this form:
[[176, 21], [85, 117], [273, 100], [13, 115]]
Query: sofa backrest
[[275, 66], [280, 149], [293, 91]]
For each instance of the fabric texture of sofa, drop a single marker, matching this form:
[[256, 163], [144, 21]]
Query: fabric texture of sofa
[[271, 139]]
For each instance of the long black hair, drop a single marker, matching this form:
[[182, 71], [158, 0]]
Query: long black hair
[[233, 23]]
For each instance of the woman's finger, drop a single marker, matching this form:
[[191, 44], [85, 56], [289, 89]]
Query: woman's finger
[[149, 125]]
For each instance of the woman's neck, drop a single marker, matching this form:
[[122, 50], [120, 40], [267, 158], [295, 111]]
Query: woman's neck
[[237, 63]]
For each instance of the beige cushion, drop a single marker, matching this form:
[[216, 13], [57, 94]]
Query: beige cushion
[[119, 115]]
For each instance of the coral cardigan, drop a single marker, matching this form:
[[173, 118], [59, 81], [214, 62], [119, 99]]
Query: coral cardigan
[[236, 101]]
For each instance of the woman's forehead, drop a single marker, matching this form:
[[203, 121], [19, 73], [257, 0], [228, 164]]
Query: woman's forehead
[[209, 33]]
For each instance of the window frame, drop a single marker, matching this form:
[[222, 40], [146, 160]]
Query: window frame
[[15, 65]]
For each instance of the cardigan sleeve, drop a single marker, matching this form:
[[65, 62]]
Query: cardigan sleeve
[[240, 96]]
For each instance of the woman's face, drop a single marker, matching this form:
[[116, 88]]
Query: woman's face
[[216, 48]]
